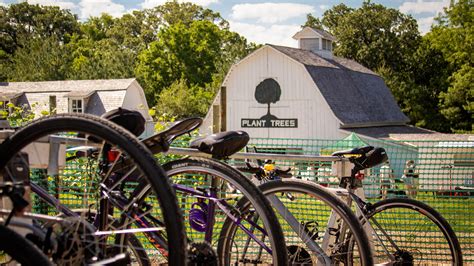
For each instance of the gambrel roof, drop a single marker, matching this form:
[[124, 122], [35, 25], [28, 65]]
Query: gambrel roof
[[357, 96], [79, 87]]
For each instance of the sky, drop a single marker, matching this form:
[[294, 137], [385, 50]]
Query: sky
[[271, 21]]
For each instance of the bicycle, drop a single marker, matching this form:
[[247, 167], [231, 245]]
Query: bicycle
[[391, 240], [96, 221], [207, 201], [390, 222], [305, 208]]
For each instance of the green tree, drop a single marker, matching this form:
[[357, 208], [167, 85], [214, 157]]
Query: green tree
[[23, 22], [22, 25], [373, 35], [102, 59], [313, 22], [173, 12], [181, 101], [192, 53], [334, 16], [40, 59], [418, 88], [454, 37]]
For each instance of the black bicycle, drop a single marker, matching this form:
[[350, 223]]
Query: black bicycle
[[401, 231], [85, 212]]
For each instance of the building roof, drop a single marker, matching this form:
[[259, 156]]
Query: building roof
[[322, 33], [6, 95], [66, 86], [355, 94], [80, 93], [409, 133], [387, 132]]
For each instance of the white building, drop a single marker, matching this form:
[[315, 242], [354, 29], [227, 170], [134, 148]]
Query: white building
[[283, 92], [77, 96]]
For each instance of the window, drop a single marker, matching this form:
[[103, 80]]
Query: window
[[52, 104], [326, 45], [76, 106], [311, 44]]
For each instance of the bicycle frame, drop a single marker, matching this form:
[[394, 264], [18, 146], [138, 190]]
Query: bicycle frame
[[145, 220], [356, 195]]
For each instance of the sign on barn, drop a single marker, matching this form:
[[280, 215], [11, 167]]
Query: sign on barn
[[267, 92]]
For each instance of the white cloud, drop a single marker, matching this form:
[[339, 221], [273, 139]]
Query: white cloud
[[270, 12], [97, 7], [424, 24], [274, 34], [153, 3], [421, 6], [61, 4], [2, 3], [323, 7]]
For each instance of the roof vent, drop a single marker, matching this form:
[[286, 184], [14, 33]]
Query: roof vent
[[315, 40]]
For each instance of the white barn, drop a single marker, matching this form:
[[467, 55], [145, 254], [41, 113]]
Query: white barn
[[307, 93], [77, 96]]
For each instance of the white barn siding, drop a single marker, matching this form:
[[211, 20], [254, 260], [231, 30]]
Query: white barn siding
[[112, 99], [299, 98]]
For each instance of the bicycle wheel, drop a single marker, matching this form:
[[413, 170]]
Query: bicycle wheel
[[100, 181], [15, 250], [412, 233], [207, 192], [307, 207]]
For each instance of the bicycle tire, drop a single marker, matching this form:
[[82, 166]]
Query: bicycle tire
[[114, 134], [433, 229], [138, 250], [204, 166], [316, 192], [20, 249]]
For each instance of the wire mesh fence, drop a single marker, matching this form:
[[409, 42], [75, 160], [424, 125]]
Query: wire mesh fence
[[439, 173]]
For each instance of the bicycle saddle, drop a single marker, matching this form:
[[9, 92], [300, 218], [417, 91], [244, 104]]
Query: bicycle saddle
[[354, 151], [131, 120], [161, 141], [223, 144]]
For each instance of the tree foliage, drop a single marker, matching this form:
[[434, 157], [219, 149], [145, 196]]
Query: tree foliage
[[194, 53], [22, 22], [38, 60], [454, 38], [312, 22], [373, 35], [181, 52], [180, 100]]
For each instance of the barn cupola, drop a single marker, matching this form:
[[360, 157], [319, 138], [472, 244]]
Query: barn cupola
[[315, 40]]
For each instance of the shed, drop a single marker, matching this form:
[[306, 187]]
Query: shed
[[77, 96]]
